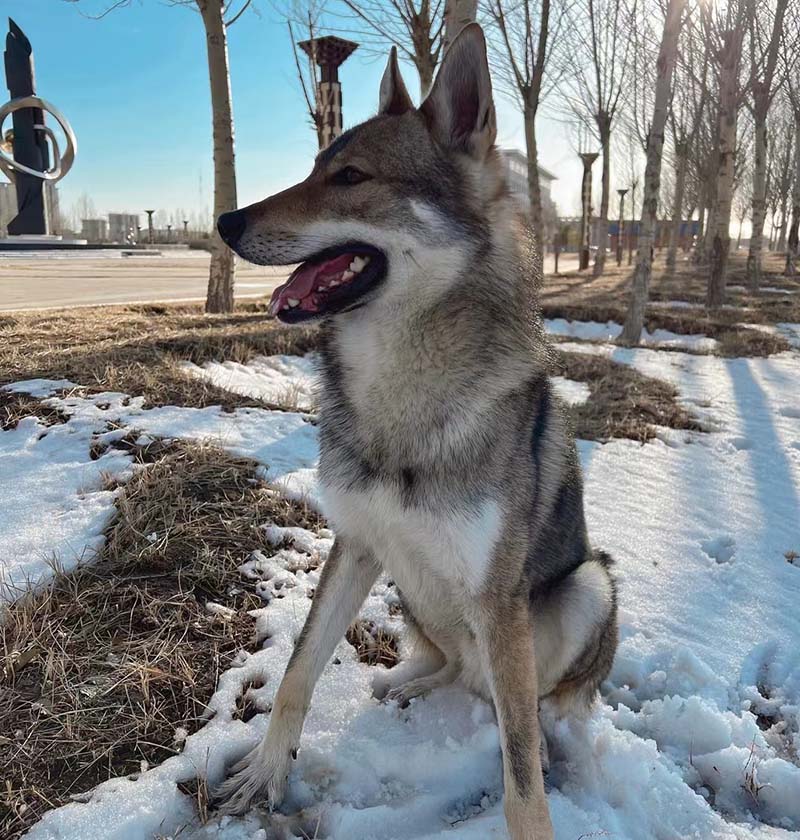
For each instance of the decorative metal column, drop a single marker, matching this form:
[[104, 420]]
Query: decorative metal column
[[620, 224], [633, 223], [329, 53], [150, 225], [588, 159]]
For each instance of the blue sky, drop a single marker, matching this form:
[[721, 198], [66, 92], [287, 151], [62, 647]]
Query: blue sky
[[134, 85]]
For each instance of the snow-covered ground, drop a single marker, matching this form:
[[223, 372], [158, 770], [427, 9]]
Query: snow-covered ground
[[280, 380], [698, 733], [595, 331]]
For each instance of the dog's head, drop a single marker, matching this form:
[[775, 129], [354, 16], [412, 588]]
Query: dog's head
[[395, 207]]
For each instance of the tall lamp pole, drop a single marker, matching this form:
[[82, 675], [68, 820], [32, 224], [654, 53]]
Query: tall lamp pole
[[621, 225], [150, 225]]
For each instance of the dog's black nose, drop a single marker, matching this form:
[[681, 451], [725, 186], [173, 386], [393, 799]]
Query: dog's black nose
[[231, 226]]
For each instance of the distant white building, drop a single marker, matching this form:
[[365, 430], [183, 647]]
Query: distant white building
[[516, 166], [94, 230], [123, 227]]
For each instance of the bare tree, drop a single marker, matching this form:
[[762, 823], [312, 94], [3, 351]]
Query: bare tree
[[780, 156], [457, 14], [742, 203], [217, 16], [632, 330], [793, 246], [304, 17], [525, 29], [729, 29], [764, 46], [415, 27], [602, 42], [685, 117]]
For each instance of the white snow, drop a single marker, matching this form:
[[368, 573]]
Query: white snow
[[685, 304], [700, 526], [574, 393], [53, 505], [770, 290], [791, 332], [595, 331], [288, 381]]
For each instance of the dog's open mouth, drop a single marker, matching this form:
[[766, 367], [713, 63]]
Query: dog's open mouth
[[331, 281]]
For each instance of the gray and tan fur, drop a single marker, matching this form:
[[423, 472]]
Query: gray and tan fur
[[445, 458]]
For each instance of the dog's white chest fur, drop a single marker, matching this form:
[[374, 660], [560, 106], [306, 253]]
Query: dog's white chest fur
[[413, 544]]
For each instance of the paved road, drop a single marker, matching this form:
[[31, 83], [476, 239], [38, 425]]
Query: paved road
[[48, 281]]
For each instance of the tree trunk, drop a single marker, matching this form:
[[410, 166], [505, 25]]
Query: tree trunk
[[426, 70], [793, 249], [602, 219], [739, 236], [457, 14], [534, 187], [632, 331], [423, 57], [681, 165], [728, 115], [701, 219], [781, 244], [759, 192], [221, 273]]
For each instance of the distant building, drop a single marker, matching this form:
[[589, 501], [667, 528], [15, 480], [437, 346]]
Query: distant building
[[94, 230], [516, 171], [123, 227]]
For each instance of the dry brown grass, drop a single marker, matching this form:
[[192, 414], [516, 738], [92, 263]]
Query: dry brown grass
[[14, 407], [374, 645], [138, 349], [623, 402], [100, 668], [579, 296]]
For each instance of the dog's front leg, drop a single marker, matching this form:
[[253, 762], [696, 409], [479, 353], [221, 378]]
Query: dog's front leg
[[345, 582], [504, 633]]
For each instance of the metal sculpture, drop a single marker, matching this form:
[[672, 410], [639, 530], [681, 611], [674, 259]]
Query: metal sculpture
[[28, 165]]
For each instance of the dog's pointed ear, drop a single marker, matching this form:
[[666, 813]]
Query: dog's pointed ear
[[394, 98], [459, 109]]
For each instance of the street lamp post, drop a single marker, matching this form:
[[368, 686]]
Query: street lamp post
[[150, 225], [328, 52], [621, 224], [633, 223]]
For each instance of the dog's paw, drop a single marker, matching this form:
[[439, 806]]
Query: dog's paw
[[405, 693], [259, 778]]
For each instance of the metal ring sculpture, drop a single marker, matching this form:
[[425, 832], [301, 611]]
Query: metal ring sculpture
[[64, 164]]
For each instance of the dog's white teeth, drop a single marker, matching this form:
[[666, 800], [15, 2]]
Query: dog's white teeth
[[358, 263], [335, 282], [294, 302], [285, 306], [348, 275]]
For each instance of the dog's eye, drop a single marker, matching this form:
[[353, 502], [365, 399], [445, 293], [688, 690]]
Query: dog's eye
[[349, 176]]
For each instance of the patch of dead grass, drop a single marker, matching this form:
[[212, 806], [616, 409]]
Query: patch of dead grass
[[100, 668], [374, 645], [580, 297], [623, 402], [15, 407], [140, 349]]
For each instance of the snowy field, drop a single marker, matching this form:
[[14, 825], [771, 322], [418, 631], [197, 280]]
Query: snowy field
[[698, 733]]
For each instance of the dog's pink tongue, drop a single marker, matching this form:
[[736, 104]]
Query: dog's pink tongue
[[305, 279]]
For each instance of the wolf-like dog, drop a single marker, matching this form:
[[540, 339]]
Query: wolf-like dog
[[445, 458]]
